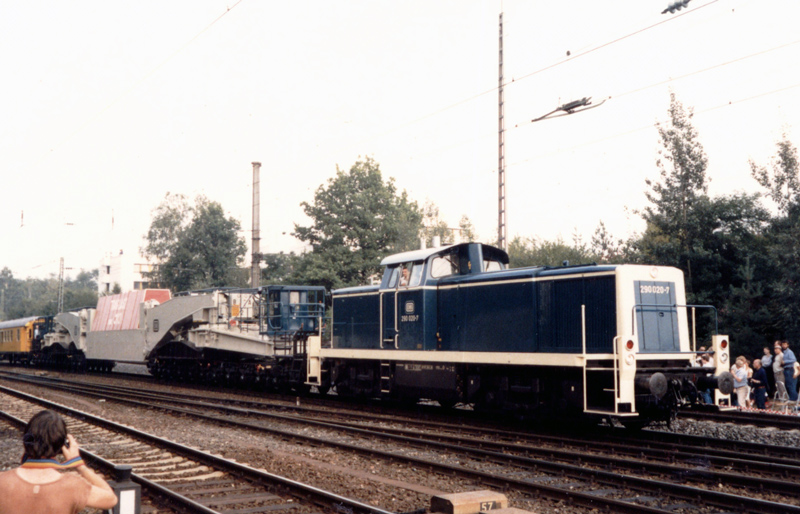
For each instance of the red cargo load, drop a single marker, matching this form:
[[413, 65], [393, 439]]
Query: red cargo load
[[121, 311]]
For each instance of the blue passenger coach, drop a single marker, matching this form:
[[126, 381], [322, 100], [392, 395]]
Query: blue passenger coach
[[454, 324]]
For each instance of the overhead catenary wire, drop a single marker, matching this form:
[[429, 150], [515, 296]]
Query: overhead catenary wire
[[651, 125], [516, 80], [145, 77], [633, 91]]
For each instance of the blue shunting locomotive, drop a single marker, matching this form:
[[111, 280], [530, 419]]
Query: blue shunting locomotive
[[453, 324]]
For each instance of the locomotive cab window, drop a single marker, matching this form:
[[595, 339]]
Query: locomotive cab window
[[275, 309], [444, 265], [405, 275], [416, 274], [394, 273], [492, 265]]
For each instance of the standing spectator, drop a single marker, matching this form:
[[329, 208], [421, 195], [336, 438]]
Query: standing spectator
[[705, 361], [740, 382], [37, 485], [750, 397], [698, 359], [759, 382], [766, 363], [777, 365], [788, 370]]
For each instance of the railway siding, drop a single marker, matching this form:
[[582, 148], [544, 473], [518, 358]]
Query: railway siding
[[579, 483], [165, 467]]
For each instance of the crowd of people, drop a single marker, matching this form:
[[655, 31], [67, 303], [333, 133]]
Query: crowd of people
[[772, 376]]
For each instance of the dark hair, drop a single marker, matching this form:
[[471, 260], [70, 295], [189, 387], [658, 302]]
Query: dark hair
[[44, 436]]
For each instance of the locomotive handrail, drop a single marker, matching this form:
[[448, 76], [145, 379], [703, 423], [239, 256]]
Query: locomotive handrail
[[301, 311], [676, 306]]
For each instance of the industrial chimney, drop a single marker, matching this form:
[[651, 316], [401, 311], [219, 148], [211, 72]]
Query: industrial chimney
[[255, 271]]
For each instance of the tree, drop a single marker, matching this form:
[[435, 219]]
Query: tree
[[782, 243], [39, 297], [682, 164], [609, 250], [356, 220], [523, 252], [279, 268], [434, 225], [467, 229], [782, 185], [196, 245], [169, 220]]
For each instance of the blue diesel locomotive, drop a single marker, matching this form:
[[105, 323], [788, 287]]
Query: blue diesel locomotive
[[453, 324]]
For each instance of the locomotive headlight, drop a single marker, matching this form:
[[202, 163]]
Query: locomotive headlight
[[630, 359], [723, 358]]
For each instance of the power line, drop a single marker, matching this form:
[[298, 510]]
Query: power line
[[720, 65], [622, 38], [146, 76], [650, 126], [531, 74]]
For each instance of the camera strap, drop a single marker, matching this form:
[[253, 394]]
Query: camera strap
[[51, 463]]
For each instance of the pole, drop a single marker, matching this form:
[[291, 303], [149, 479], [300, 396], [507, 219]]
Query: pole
[[502, 219], [61, 286], [255, 272]]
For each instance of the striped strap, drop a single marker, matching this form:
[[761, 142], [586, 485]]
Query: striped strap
[[52, 463]]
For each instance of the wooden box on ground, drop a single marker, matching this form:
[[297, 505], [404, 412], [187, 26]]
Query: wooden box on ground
[[471, 502]]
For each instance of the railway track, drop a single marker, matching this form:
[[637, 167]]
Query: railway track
[[603, 474], [188, 479], [785, 421]]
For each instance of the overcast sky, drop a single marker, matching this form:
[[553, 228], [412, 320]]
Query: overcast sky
[[107, 106]]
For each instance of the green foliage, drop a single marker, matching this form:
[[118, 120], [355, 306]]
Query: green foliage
[[678, 199], [356, 220], [467, 229], [783, 249], [39, 297], [435, 226], [719, 243], [783, 184], [280, 268], [609, 250], [782, 243], [524, 252], [196, 245]]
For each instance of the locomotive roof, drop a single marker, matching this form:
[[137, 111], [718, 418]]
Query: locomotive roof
[[421, 255], [20, 322], [413, 255]]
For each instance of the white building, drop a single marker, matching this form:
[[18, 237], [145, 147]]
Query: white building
[[125, 270]]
